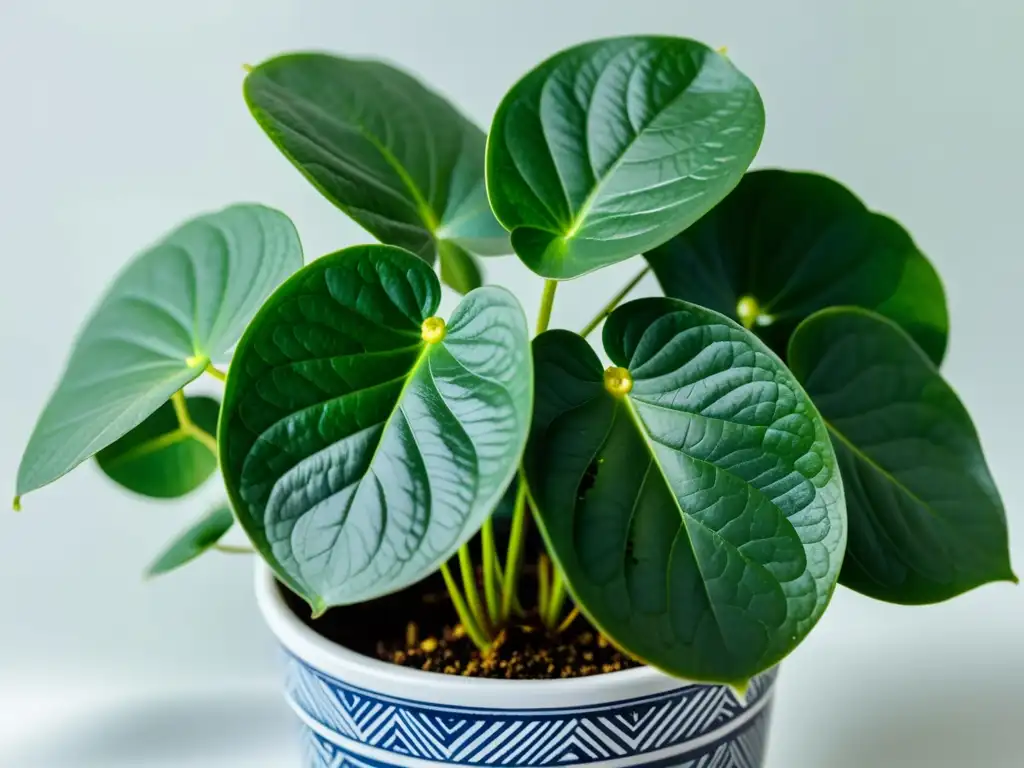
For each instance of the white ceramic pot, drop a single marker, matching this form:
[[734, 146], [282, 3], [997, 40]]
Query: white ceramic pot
[[359, 712]]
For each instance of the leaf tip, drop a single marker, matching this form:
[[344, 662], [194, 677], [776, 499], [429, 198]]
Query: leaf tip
[[319, 606], [740, 691], [16, 504], [724, 50], [248, 68]]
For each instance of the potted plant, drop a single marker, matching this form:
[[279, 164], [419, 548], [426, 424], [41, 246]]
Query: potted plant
[[484, 546]]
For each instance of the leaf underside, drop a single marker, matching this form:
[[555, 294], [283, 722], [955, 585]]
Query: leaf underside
[[158, 458], [610, 148], [796, 243], [198, 539], [699, 519], [176, 307], [358, 456], [926, 520]]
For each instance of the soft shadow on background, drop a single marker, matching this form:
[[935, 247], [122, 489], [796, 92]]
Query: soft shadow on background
[[199, 730], [121, 119]]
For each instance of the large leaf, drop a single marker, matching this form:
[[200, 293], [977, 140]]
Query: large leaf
[[161, 459], [610, 148], [363, 442], [690, 494], [393, 155], [784, 245], [176, 307], [199, 538], [926, 522]]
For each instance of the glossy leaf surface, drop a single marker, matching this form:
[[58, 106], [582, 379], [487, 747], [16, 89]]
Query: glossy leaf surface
[[796, 243], [176, 307], [610, 148], [699, 519], [358, 454], [393, 155], [926, 521], [198, 539], [160, 459]]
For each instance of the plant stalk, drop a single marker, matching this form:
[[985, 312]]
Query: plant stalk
[[616, 300], [216, 372], [480, 640], [472, 593], [547, 301], [543, 587], [516, 542], [490, 567], [556, 602], [188, 426]]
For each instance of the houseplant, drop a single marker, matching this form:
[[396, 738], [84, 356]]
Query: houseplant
[[780, 408]]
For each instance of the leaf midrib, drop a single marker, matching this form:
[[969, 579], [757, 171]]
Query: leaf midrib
[[579, 219], [423, 208], [862, 456], [684, 516]]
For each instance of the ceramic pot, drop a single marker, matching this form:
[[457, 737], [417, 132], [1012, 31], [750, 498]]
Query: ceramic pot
[[359, 712]]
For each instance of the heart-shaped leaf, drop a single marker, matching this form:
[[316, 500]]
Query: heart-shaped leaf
[[393, 155], [176, 307], [362, 440], [784, 245], [198, 539], [926, 521], [610, 148], [689, 493], [159, 458]]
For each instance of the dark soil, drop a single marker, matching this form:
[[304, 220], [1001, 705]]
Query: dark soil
[[418, 628]]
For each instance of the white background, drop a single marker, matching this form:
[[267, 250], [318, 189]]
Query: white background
[[120, 119]]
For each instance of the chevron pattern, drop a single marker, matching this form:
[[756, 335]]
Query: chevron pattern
[[396, 728]]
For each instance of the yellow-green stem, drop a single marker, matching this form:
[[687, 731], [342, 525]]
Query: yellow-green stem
[[543, 586], [231, 549], [188, 426], [547, 301], [469, 585], [216, 372], [557, 599], [516, 541], [490, 567], [472, 629], [616, 300]]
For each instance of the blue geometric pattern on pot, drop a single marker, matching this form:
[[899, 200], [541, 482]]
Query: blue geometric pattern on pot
[[342, 715]]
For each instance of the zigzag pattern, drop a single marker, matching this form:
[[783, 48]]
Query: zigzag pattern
[[531, 738]]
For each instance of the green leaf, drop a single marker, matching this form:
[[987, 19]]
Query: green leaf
[[459, 269], [698, 515], [198, 539], [158, 458], [784, 245], [363, 442], [926, 522], [611, 148], [396, 157], [176, 307]]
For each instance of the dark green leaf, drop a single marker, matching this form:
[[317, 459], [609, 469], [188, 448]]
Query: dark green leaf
[[201, 537], [788, 244], [459, 269], [175, 308], [158, 458], [926, 522], [699, 519], [360, 451], [393, 155], [610, 148]]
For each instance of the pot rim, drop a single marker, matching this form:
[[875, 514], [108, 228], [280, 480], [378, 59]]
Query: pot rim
[[311, 647]]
